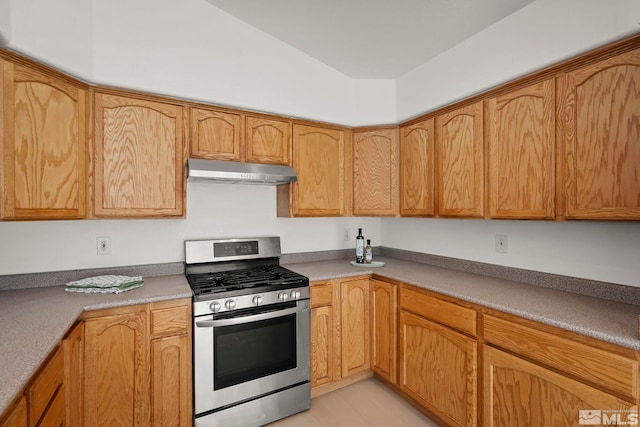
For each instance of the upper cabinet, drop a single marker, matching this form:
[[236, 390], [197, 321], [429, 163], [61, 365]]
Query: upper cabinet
[[416, 169], [521, 152], [226, 135], [216, 134], [321, 159], [601, 138], [139, 159], [43, 145], [460, 162], [375, 172]]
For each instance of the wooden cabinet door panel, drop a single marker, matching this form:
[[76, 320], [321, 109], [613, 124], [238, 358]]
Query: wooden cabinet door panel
[[460, 162], [117, 371], [17, 416], [375, 172], [438, 369], [602, 139], [520, 393], [319, 161], [73, 347], [44, 146], [216, 135], [383, 329], [268, 141], [355, 326], [417, 166], [45, 387], [139, 157], [323, 352], [171, 381], [521, 153]]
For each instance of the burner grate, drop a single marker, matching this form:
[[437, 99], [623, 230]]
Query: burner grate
[[211, 283]]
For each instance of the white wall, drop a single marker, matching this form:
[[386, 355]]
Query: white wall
[[214, 210], [542, 33], [606, 251], [5, 22]]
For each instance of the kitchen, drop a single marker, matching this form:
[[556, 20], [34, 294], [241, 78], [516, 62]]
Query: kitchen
[[594, 250]]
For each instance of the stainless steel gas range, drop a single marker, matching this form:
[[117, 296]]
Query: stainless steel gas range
[[251, 326]]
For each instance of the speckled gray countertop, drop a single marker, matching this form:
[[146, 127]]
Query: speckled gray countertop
[[610, 321], [33, 321]]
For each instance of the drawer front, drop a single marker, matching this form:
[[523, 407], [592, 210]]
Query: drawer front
[[321, 294], [45, 385], [598, 367], [170, 321], [55, 415], [446, 313]]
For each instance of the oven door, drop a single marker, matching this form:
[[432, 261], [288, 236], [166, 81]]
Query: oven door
[[242, 356]]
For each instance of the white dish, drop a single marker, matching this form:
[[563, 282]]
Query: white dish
[[373, 264]]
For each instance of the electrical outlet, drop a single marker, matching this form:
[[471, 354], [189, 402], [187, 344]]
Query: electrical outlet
[[502, 244], [103, 245], [347, 235]]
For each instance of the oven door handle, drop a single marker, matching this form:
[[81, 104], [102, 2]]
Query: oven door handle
[[252, 318]]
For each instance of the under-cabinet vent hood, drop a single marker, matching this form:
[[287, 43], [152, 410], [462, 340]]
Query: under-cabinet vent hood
[[239, 173]]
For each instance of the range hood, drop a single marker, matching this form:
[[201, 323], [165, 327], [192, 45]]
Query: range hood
[[239, 173]]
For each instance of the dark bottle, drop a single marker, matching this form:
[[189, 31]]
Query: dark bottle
[[360, 247]]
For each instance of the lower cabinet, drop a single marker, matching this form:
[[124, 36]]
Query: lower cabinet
[[325, 337], [383, 329], [16, 416], [521, 393], [355, 326]]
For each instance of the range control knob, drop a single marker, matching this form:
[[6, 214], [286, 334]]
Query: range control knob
[[215, 306], [257, 300], [295, 294], [230, 304], [283, 296]]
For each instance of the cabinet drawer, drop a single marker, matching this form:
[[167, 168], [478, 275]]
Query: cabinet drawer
[[446, 313], [169, 321], [55, 414], [45, 385], [598, 367], [321, 294]]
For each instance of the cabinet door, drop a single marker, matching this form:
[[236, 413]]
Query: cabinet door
[[438, 369], [17, 416], [47, 386], [602, 139], [139, 158], [416, 169], [171, 381], [460, 162], [43, 146], [216, 134], [319, 159], [116, 387], [520, 393], [323, 351], [268, 141], [355, 326], [375, 172], [383, 329], [521, 153], [73, 347]]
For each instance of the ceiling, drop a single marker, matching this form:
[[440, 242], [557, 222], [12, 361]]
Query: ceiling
[[371, 39]]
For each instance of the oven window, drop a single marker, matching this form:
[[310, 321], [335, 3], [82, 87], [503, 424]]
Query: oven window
[[253, 350]]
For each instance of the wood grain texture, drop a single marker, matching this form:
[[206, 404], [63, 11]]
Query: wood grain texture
[[355, 326], [600, 368], [384, 329], [44, 146], [438, 368], [322, 346], [417, 165], [117, 384], [16, 416], [268, 141], [139, 158], [519, 393], [521, 153], [449, 314], [375, 172], [602, 139], [170, 321], [171, 381], [460, 162], [319, 161], [321, 294], [55, 413], [73, 347], [216, 134], [45, 386]]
